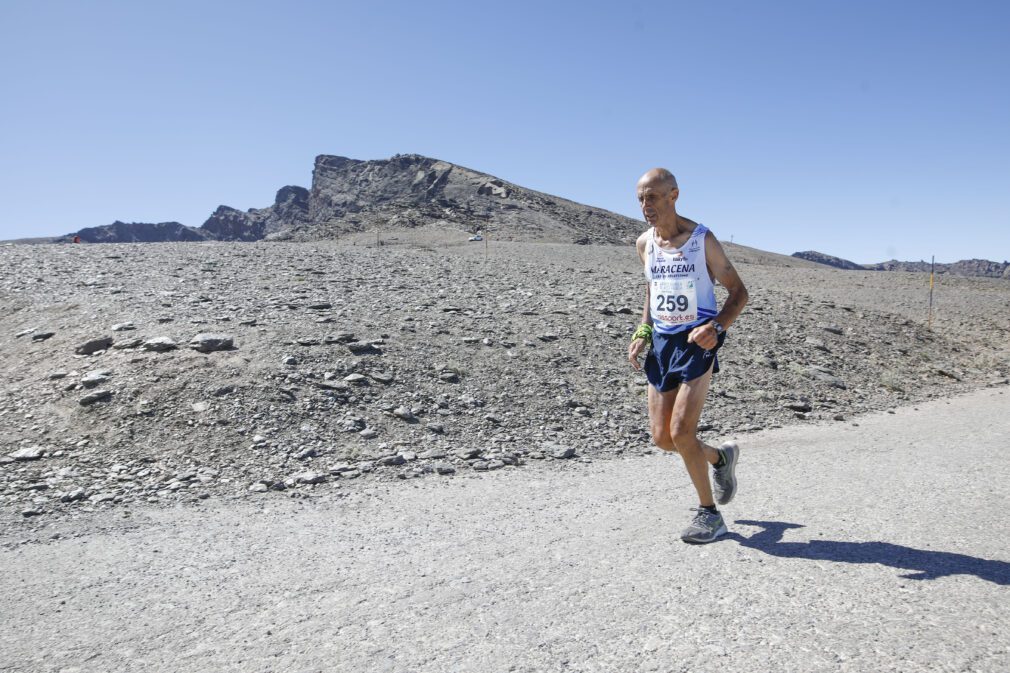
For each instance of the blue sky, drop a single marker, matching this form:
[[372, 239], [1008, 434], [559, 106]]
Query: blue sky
[[867, 130]]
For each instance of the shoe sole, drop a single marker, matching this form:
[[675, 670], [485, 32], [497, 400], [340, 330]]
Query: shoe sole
[[734, 456], [719, 532]]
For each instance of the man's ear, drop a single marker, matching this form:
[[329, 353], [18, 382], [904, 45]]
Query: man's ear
[[674, 193]]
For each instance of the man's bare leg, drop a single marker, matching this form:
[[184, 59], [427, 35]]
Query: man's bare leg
[[673, 419], [684, 430]]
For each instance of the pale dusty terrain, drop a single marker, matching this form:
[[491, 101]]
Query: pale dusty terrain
[[424, 357]]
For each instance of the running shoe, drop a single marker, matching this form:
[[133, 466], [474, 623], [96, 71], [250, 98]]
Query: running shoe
[[706, 527], [724, 478]]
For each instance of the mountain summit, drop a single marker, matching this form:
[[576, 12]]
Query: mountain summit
[[405, 191]]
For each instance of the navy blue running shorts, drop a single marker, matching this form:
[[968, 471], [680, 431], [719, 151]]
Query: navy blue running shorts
[[672, 360]]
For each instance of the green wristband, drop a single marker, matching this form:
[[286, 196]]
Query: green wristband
[[644, 331]]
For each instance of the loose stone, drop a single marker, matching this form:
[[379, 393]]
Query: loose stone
[[207, 342], [560, 452], [97, 396], [30, 453], [405, 414], [363, 348], [310, 478], [92, 379], [94, 345], [159, 345]]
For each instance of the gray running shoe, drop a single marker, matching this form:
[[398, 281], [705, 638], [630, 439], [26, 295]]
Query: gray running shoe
[[706, 527], [724, 478]]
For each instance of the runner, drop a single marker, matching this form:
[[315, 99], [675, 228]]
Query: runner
[[685, 329]]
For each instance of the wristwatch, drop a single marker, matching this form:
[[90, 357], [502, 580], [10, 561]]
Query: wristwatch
[[719, 329]]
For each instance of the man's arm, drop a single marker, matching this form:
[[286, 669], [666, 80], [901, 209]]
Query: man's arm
[[724, 272], [636, 347]]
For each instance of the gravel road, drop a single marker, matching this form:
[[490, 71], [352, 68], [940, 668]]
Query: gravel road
[[880, 546]]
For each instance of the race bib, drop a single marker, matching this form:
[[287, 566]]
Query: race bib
[[674, 301]]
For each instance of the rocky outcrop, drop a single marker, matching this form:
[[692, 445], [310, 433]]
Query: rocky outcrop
[[979, 267], [290, 209], [406, 191], [821, 258], [139, 232], [229, 224], [895, 265], [410, 190], [966, 267]]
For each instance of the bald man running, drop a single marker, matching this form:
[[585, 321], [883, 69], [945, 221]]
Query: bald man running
[[685, 328]]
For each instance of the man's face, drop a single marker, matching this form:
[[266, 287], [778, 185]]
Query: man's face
[[657, 200]]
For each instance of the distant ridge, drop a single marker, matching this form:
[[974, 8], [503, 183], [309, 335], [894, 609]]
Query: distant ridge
[[403, 192], [821, 258], [967, 267], [140, 232]]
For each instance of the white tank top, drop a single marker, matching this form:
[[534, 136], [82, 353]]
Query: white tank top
[[681, 294]]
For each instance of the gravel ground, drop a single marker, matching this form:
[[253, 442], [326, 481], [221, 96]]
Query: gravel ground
[[168, 373], [872, 547]]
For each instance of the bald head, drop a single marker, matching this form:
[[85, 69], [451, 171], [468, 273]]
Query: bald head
[[658, 177], [657, 196]]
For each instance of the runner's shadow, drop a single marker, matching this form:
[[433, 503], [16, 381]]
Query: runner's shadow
[[928, 565]]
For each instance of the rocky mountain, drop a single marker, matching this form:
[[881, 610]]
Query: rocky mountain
[[966, 267], [405, 192], [290, 208], [140, 232], [821, 258], [225, 224], [410, 190]]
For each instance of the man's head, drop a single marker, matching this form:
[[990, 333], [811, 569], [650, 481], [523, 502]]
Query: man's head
[[657, 195]]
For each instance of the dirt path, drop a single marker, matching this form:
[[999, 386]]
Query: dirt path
[[881, 547]]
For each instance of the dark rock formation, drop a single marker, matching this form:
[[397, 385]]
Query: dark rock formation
[[140, 232], [965, 267], [229, 224], [410, 190], [895, 265], [290, 209], [821, 258], [979, 267], [406, 191]]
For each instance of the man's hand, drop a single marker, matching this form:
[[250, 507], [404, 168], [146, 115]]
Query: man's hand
[[635, 349], [704, 335]]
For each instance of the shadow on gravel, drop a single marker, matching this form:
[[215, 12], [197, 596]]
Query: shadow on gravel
[[928, 565]]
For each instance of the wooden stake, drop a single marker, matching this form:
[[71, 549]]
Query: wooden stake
[[932, 264]]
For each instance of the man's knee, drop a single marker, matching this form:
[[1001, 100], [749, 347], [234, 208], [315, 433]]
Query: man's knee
[[661, 437], [684, 438]]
